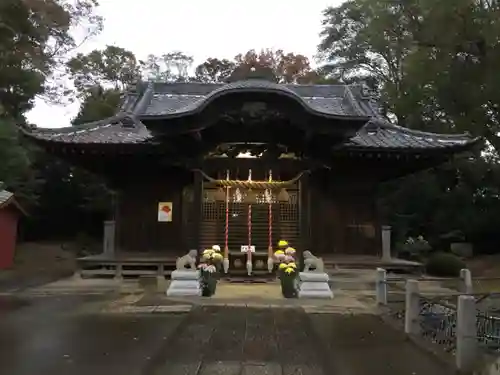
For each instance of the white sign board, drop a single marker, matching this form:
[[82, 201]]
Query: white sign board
[[244, 248]]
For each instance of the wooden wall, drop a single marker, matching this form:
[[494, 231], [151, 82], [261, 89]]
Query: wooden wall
[[343, 219], [137, 226], [343, 216]]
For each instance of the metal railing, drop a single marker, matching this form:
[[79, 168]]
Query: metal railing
[[464, 324], [488, 321], [438, 322]]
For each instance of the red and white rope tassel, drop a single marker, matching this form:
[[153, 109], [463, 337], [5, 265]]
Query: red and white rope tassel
[[249, 224], [225, 261]]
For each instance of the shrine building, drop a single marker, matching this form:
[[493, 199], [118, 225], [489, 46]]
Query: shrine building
[[244, 164]]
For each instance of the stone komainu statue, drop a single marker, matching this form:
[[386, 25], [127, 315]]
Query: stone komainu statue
[[187, 260], [312, 262]]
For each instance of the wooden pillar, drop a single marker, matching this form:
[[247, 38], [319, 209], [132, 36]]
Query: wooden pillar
[[109, 238], [113, 230], [197, 210], [304, 216], [377, 223]]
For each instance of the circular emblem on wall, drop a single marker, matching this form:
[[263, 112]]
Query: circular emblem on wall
[[238, 263], [259, 264]]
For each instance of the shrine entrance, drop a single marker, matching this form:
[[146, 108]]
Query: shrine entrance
[[247, 219]]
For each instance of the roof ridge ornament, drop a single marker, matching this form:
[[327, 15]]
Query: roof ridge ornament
[[128, 121], [245, 72]]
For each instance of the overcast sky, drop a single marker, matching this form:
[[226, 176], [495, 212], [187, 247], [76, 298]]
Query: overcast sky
[[200, 28]]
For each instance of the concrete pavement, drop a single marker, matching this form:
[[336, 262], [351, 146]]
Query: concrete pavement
[[69, 335]]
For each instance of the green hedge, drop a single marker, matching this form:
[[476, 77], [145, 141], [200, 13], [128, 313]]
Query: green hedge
[[444, 265]]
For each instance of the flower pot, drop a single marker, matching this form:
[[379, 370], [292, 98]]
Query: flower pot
[[208, 284], [288, 289]]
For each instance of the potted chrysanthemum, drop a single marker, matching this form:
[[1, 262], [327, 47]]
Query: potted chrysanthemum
[[287, 271], [209, 270]]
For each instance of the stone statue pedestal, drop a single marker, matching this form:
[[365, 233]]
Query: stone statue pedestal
[[314, 285], [184, 283]]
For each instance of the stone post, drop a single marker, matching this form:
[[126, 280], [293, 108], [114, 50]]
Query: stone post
[[314, 285], [109, 238], [466, 281], [466, 334], [119, 271], [78, 274], [386, 243], [184, 283], [412, 308], [381, 286], [161, 282]]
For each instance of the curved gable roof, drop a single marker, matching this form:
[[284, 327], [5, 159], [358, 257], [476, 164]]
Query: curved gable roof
[[170, 100], [161, 100]]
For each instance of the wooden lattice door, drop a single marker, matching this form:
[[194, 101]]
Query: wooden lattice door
[[284, 220]]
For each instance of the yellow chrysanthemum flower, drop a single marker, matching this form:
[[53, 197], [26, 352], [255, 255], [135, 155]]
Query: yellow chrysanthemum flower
[[292, 265], [208, 252], [289, 270], [282, 266], [290, 250], [279, 252], [282, 243], [216, 256]]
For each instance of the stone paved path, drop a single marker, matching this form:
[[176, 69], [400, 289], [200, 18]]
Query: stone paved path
[[240, 341], [245, 341]]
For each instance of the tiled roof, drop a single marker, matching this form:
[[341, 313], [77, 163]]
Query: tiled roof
[[167, 100], [7, 200], [375, 135], [382, 135], [174, 99], [5, 196], [121, 129]]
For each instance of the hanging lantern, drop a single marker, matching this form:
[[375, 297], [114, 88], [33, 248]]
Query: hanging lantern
[[251, 196], [220, 195], [283, 195]]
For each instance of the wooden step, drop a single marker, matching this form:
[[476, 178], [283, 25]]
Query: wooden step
[[250, 279]]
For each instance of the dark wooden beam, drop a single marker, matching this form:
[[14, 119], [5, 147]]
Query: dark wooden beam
[[288, 165], [197, 210]]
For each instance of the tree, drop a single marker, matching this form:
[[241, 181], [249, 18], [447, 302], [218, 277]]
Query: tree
[[98, 104], [72, 200], [15, 163], [112, 67], [430, 77], [465, 63], [287, 67], [369, 40], [434, 65], [100, 77], [214, 70], [169, 67], [34, 37], [461, 197]]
